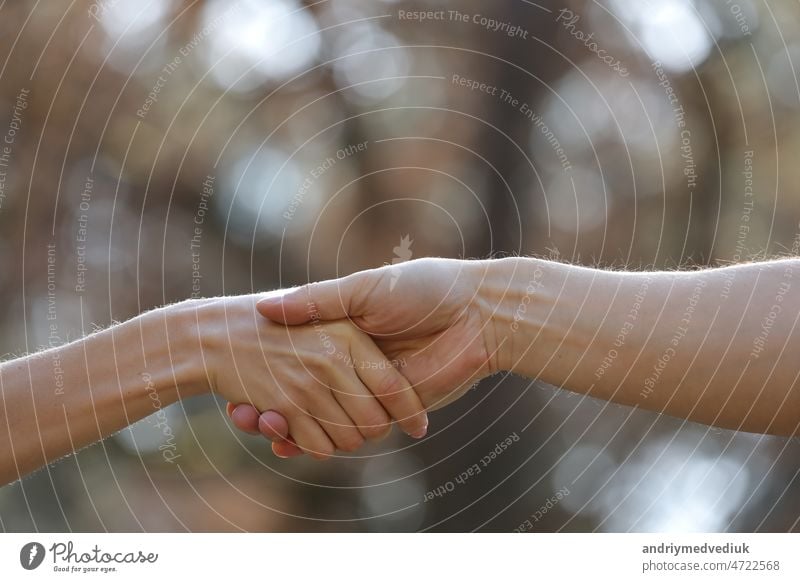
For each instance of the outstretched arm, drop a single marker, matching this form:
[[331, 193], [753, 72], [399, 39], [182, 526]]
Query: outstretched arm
[[715, 346], [320, 380], [65, 398]]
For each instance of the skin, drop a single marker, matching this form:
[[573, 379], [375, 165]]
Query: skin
[[716, 346], [713, 346], [319, 379]]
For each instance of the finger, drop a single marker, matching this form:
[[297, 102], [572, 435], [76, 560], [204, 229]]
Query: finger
[[273, 425], [286, 449], [360, 404], [337, 424], [244, 417], [310, 438], [328, 300], [390, 387], [229, 408]]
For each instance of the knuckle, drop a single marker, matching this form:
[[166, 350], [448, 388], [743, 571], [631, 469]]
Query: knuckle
[[317, 361], [305, 394], [281, 405], [351, 442], [389, 386], [376, 430], [375, 416], [323, 452]]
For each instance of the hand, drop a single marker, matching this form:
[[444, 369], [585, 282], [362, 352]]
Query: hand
[[427, 315], [321, 379]]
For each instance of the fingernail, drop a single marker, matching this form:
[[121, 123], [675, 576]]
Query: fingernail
[[420, 433]]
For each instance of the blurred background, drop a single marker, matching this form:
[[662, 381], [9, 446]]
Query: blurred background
[[158, 149]]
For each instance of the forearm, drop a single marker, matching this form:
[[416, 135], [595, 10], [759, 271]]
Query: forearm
[[60, 400], [716, 346]]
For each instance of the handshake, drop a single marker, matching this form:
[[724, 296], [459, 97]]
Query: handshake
[[332, 365], [317, 369]]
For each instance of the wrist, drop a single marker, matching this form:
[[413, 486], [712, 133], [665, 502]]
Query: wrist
[[530, 307], [505, 294], [177, 353]]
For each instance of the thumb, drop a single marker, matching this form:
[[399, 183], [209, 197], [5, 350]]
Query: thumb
[[324, 301]]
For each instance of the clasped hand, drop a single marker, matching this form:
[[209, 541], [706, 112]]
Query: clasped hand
[[347, 358]]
